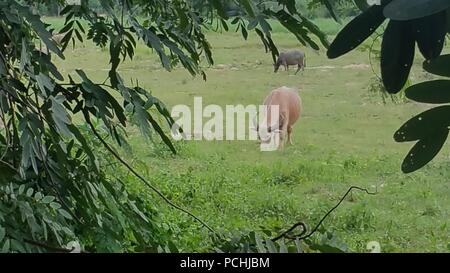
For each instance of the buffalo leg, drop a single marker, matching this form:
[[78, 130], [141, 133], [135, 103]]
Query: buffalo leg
[[289, 134], [283, 135]]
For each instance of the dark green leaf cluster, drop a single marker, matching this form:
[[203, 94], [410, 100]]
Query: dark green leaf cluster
[[421, 22]]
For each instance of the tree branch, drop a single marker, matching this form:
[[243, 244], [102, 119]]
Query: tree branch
[[302, 235], [148, 184]]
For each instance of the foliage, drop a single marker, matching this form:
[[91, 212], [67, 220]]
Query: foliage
[[417, 21], [54, 187], [252, 242]]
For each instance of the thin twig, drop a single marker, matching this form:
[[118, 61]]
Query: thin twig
[[301, 236], [52, 248], [370, 55], [148, 184], [46, 246]]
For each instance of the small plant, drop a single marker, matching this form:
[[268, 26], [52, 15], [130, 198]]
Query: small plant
[[377, 91]]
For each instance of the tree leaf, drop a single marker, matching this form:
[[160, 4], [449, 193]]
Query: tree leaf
[[330, 9], [30, 192], [362, 4], [397, 55], [55, 205], [2, 233], [424, 124], [6, 246], [271, 246], [60, 115], [260, 244], [424, 151], [283, 248], [437, 91], [403, 10], [39, 28], [429, 33], [65, 214], [218, 5], [47, 199], [356, 32], [161, 133], [438, 66], [21, 190], [248, 7]]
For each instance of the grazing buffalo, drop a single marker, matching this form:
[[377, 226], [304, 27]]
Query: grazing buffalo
[[289, 110], [293, 57]]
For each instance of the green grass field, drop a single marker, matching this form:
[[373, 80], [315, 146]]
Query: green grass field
[[344, 138]]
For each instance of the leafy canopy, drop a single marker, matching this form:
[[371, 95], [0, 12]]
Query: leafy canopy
[[424, 23], [55, 185]]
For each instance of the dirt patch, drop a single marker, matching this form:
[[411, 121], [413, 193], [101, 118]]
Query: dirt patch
[[322, 67], [356, 66], [221, 66]]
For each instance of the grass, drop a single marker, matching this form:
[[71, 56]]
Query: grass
[[344, 138]]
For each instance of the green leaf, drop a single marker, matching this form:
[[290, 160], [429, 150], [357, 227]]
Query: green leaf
[[424, 124], [161, 133], [439, 66], [45, 83], [151, 40], [21, 190], [362, 4], [429, 33], [397, 55], [60, 115], [283, 248], [356, 32], [2, 233], [248, 7], [67, 27], [298, 245], [259, 244], [314, 29], [47, 199], [30, 192], [437, 91], [65, 214], [6, 246], [330, 9], [79, 37], [296, 27], [424, 151], [271, 246], [24, 56], [326, 248], [86, 148], [38, 196], [290, 5], [217, 4], [403, 10], [244, 32], [252, 24], [55, 205], [264, 25], [39, 28]]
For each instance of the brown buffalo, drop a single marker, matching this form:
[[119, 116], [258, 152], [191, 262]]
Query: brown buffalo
[[289, 110]]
